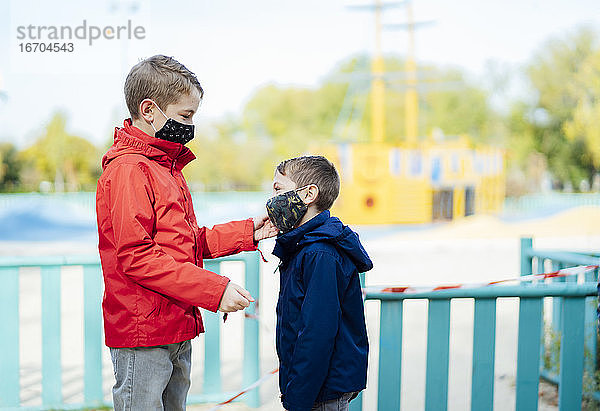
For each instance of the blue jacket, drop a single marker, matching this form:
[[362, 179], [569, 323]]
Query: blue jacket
[[321, 334]]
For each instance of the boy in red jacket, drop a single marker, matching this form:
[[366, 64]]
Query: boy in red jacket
[[151, 247]]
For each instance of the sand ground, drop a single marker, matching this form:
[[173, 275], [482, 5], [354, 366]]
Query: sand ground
[[471, 250]]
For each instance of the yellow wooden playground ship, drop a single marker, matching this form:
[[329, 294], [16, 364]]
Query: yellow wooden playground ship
[[385, 184], [419, 180]]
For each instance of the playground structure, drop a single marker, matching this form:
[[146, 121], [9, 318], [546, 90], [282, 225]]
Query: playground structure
[[419, 180], [387, 184]]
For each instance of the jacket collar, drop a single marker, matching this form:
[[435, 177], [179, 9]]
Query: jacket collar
[[130, 137], [286, 244]]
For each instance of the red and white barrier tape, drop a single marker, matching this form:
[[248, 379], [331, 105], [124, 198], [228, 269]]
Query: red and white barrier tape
[[565, 272], [245, 390], [251, 316]]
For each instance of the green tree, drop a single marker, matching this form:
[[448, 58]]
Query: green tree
[[457, 107], [583, 126], [227, 159], [61, 157], [10, 168], [294, 117], [562, 123]]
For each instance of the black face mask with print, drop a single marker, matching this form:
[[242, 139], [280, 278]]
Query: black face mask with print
[[286, 210], [174, 130]]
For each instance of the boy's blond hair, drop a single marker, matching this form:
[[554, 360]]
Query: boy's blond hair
[[161, 79]]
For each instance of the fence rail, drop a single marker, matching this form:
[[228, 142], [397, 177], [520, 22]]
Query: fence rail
[[51, 391], [548, 203]]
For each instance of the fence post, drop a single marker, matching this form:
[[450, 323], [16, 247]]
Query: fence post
[[438, 346], [9, 343], [591, 328], [212, 344], [390, 355], [51, 337], [528, 353], [526, 259], [251, 369], [92, 331], [540, 270], [484, 354], [571, 354], [557, 313]]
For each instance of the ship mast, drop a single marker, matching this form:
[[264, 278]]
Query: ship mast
[[377, 72], [412, 99], [377, 84]]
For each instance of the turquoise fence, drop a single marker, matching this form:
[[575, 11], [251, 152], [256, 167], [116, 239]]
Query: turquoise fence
[[535, 205], [573, 317], [537, 261], [51, 385], [573, 314]]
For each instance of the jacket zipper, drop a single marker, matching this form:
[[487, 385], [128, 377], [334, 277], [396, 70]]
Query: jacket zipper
[[187, 204], [175, 160], [186, 217], [191, 228]]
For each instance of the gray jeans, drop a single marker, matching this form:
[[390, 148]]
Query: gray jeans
[[151, 378], [339, 404]]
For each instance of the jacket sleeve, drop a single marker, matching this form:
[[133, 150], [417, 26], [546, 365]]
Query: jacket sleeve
[[130, 197], [320, 316], [226, 239]]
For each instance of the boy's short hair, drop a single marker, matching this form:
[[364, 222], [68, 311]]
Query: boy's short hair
[[160, 78], [316, 170]]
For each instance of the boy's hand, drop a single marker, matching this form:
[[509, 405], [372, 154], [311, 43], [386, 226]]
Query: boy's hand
[[235, 298], [263, 228]]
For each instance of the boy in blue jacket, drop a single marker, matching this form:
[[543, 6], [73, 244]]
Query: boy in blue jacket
[[321, 334]]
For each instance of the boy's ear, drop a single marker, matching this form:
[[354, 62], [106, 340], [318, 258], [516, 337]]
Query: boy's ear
[[147, 110], [310, 194]]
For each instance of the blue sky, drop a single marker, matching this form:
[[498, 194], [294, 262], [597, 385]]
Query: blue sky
[[237, 46]]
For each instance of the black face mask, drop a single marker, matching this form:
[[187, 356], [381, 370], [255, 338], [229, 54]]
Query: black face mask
[[286, 210], [174, 130]]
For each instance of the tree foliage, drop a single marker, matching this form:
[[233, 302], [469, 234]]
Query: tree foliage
[[558, 129], [227, 159], [563, 122], [293, 117], [10, 167], [60, 157]]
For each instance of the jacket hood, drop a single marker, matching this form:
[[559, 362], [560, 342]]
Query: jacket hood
[[324, 228], [131, 140]]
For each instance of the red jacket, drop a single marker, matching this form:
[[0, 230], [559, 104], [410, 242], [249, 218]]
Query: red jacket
[[151, 247]]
